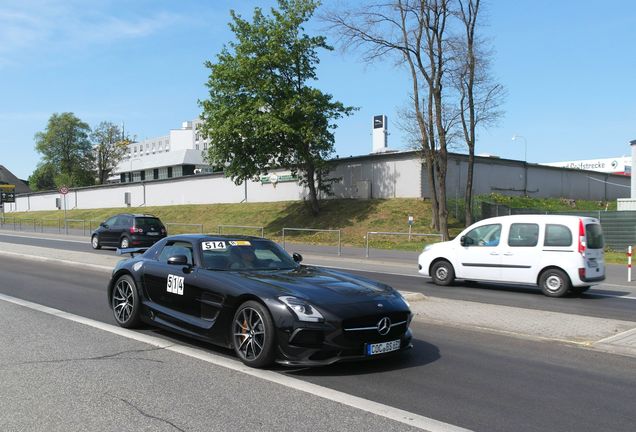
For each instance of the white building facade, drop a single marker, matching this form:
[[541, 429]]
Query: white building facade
[[180, 153]]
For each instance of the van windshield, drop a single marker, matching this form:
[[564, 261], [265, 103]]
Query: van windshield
[[594, 236]]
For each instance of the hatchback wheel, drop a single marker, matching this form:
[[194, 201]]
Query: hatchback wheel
[[554, 283], [253, 335], [95, 242], [124, 243]]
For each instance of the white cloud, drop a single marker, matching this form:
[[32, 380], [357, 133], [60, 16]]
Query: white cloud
[[32, 26]]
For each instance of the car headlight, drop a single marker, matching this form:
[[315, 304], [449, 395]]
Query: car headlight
[[303, 310], [408, 305]]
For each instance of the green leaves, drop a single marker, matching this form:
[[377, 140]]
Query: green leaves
[[262, 111]]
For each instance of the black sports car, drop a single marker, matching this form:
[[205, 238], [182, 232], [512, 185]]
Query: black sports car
[[249, 294]]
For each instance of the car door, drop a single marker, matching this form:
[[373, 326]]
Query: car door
[[107, 236], [479, 255], [174, 288], [520, 254]]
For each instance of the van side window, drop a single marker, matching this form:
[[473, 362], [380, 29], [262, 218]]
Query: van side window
[[557, 235], [487, 235], [523, 235]]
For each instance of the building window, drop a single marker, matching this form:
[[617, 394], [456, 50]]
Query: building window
[[163, 173], [177, 171], [169, 172], [155, 174], [197, 146]]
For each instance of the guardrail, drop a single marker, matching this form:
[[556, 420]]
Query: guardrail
[[199, 226], [370, 233], [260, 228], [315, 230]]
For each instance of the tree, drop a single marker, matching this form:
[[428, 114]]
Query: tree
[[43, 178], [479, 96], [416, 31], [64, 145], [109, 147], [451, 90], [262, 112]]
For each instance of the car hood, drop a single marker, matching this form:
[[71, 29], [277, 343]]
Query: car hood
[[319, 285]]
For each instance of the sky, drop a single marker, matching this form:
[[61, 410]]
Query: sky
[[568, 68]]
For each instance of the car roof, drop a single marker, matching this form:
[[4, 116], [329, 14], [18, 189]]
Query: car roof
[[211, 237], [539, 218], [137, 215]]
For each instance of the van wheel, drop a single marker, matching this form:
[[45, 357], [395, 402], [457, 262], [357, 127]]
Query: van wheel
[[554, 283], [443, 273]]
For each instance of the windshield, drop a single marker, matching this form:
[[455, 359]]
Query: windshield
[[245, 255]]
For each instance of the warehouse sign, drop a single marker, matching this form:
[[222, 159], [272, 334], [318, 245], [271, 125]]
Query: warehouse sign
[[274, 178], [619, 165]]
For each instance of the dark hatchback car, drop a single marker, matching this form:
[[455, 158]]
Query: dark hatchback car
[[248, 294], [128, 230]]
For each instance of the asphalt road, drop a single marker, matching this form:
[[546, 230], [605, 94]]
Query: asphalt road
[[605, 301], [472, 379]]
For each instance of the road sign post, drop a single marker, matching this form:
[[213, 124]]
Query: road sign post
[[410, 226], [7, 195], [64, 190]]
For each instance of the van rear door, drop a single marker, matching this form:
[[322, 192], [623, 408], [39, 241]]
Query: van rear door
[[594, 256]]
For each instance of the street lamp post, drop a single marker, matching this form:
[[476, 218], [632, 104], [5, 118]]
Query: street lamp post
[[525, 162]]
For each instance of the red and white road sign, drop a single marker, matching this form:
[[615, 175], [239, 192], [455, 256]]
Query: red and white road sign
[[63, 190]]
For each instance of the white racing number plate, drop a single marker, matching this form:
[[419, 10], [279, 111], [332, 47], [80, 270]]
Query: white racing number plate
[[384, 347]]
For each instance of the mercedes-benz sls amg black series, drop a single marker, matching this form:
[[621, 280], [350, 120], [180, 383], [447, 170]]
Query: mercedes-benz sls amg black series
[[248, 294]]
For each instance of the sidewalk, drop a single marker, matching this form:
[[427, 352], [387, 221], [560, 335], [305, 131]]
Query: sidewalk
[[613, 336]]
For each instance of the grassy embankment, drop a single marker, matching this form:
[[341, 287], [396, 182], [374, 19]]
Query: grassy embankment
[[353, 217]]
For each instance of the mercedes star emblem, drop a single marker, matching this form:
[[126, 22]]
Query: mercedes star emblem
[[384, 326]]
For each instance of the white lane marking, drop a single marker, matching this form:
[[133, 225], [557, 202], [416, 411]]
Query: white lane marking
[[372, 407], [57, 261], [618, 336], [87, 241]]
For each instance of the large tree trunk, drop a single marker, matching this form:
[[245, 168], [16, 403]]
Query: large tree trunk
[[311, 184]]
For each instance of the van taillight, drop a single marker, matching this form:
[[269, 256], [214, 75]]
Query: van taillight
[[581, 237], [582, 273]]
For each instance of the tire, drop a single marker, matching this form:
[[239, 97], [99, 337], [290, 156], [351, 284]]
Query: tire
[[124, 301], [95, 242], [579, 290], [124, 243], [443, 273], [554, 283], [253, 335]]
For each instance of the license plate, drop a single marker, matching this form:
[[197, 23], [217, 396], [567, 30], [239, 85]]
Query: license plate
[[384, 347], [592, 263], [153, 233]]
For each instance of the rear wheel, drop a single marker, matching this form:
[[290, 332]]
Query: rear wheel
[[124, 243], [95, 242], [443, 273], [125, 302], [554, 283], [253, 335]]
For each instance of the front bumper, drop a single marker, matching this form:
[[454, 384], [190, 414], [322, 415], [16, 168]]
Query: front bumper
[[324, 344]]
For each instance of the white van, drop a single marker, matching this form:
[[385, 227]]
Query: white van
[[557, 253]]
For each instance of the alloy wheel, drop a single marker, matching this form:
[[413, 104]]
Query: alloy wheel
[[123, 301], [249, 333]]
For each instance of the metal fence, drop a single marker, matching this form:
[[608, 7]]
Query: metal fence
[[185, 225], [242, 227], [370, 233], [316, 231]]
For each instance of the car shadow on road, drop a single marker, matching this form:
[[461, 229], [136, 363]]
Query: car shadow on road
[[531, 289], [421, 354]]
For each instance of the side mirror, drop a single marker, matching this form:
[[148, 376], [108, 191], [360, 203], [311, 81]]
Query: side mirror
[[297, 257], [103, 225], [178, 260], [465, 241]]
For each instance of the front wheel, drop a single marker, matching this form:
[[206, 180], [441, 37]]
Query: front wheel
[[253, 335], [95, 242], [125, 302], [443, 273], [554, 283]]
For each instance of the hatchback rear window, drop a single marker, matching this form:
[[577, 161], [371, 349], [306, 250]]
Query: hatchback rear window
[[148, 222], [594, 236]]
